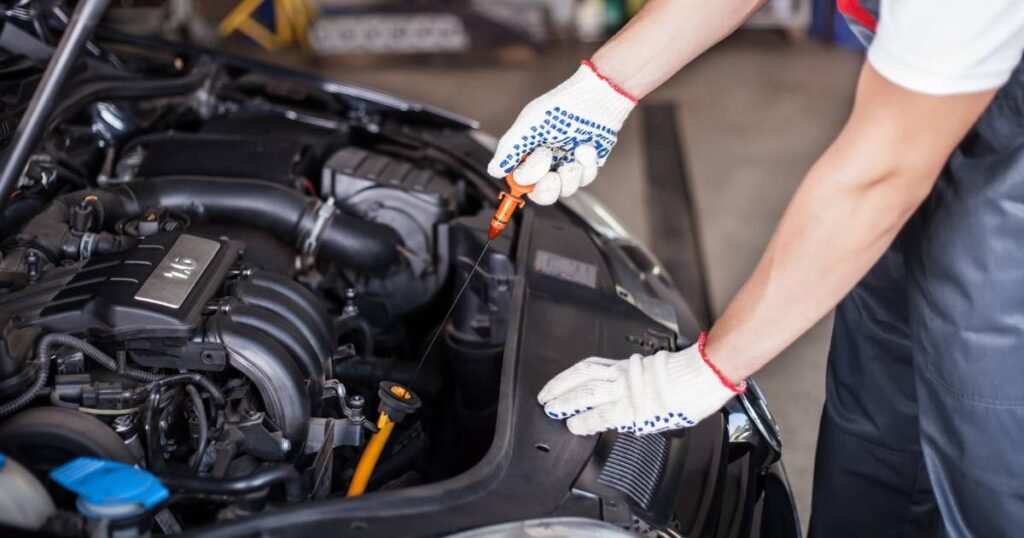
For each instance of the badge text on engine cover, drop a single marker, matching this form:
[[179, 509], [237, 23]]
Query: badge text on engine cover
[[178, 272]]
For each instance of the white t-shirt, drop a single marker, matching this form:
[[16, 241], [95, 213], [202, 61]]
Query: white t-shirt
[[944, 47]]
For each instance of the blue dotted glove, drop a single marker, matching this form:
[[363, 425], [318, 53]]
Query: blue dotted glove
[[638, 395], [577, 123]]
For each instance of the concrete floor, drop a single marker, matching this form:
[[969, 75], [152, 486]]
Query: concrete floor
[[754, 112]]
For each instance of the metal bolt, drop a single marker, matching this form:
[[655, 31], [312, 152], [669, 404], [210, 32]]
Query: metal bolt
[[350, 308], [356, 402], [286, 445], [32, 260]]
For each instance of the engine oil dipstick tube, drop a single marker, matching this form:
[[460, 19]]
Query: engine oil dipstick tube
[[508, 203], [396, 402], [448, 314]]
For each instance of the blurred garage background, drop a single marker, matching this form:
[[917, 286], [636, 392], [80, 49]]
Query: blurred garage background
[[738, 127]]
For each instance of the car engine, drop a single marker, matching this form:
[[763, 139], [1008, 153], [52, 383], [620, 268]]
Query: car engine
[[213, 278]]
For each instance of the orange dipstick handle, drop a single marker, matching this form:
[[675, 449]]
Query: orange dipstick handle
[[508, 203]]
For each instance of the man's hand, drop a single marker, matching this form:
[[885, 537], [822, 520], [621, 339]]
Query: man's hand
[[577, 123], [638, 395], [579, 120]]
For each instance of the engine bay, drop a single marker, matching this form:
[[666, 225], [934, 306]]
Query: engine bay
[[222, 279]]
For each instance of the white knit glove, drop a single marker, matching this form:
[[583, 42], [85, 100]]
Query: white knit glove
[[578, 122], [638, 395]]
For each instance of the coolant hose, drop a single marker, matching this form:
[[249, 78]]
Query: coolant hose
[[188, 486], [371, 454], [285, 213], [124, 89]]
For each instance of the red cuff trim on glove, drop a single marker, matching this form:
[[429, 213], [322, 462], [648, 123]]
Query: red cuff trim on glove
[[738, 389], [608, 81]]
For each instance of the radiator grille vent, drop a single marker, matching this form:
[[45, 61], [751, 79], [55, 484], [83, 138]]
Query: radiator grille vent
[[635, 465]]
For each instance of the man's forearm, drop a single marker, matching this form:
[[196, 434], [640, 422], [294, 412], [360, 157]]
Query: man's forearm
[[846, 212], [665, 36], [827, 239]]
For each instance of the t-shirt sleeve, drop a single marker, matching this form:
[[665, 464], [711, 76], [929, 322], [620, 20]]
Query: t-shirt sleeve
[[945, 47]]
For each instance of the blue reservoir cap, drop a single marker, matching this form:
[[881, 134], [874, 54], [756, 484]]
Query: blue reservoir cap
[[3, 461], [108, 489]]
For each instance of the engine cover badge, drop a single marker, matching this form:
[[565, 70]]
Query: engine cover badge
[[178, 271]]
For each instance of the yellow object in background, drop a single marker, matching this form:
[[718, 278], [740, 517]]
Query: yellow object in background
[[292, 19]]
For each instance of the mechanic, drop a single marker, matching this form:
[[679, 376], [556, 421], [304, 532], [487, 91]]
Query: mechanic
[[920, 198]]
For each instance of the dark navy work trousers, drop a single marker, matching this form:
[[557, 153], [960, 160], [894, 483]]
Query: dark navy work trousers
[[923, 428]]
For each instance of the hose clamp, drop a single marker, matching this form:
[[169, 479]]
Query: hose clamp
[[85, 246], [324, 214]]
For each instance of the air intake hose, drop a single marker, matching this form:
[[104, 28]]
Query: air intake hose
[[289, 215], [304, 222]]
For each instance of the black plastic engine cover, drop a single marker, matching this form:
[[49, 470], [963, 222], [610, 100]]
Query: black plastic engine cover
[[157, 289]]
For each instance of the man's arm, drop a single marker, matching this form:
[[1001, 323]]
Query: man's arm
[[847, 211], [665, 36]]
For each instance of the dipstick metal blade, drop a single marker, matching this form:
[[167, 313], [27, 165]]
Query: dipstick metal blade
[[440, 327]]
